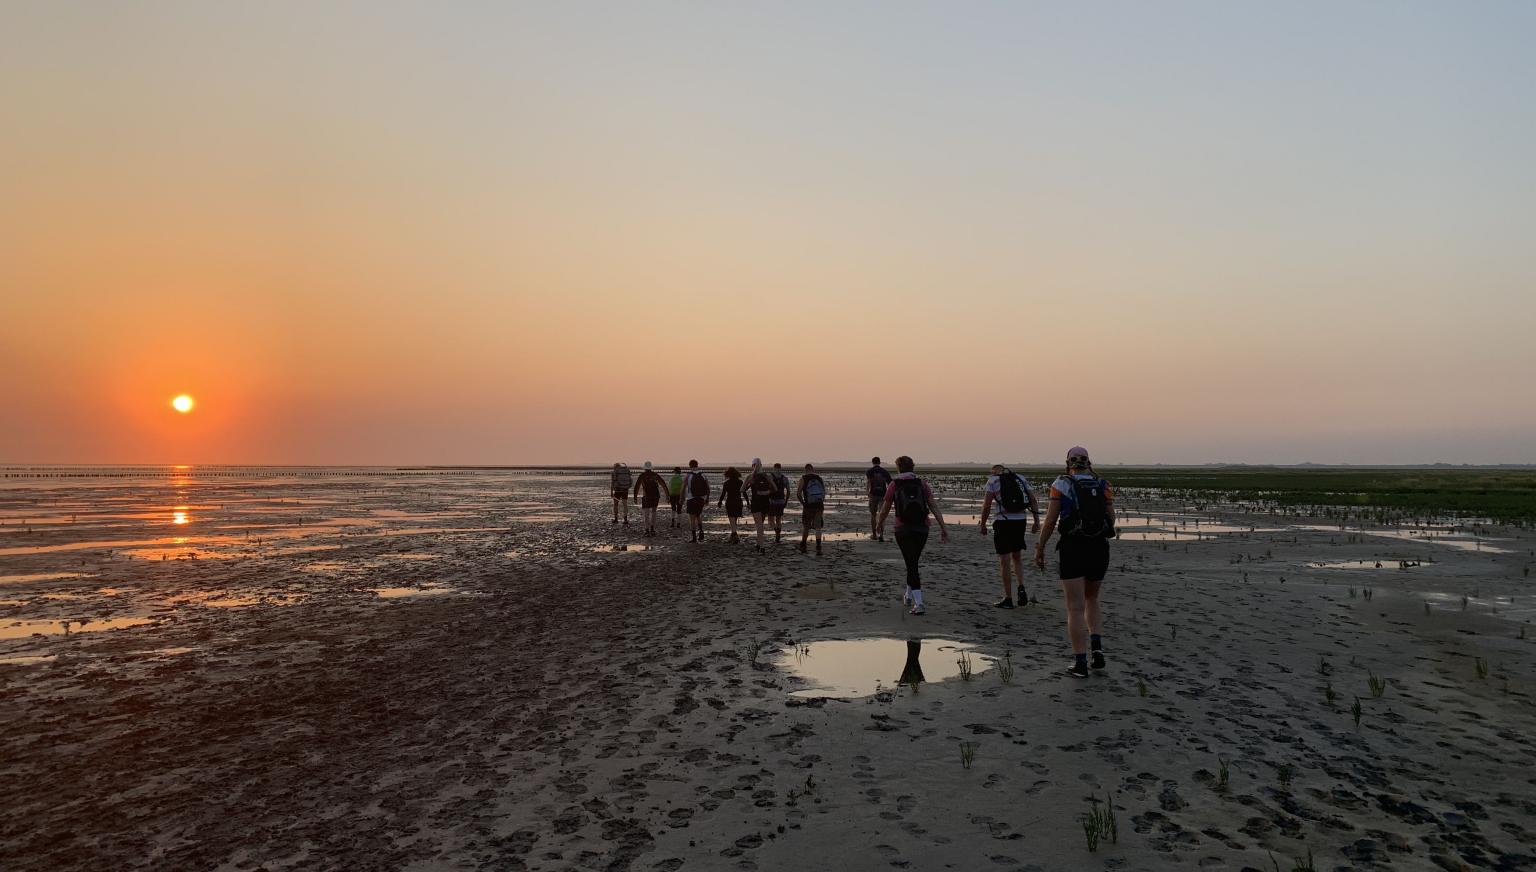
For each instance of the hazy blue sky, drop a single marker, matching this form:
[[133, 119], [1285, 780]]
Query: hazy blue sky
[[574, 232]]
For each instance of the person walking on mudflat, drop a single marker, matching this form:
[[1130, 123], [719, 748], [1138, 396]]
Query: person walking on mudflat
[[1010, 491], [777, 501], [618, 483], [696, 488], [731, 500], [652, 484], [913, 501], [1083, 508], [812, 494], [675, 493], [878, 481], [761, 491]]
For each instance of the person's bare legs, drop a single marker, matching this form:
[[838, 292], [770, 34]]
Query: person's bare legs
[[757, 518], [1091, 611], [1002, 572], [1018, 574], [732, 519], [1077, 626]]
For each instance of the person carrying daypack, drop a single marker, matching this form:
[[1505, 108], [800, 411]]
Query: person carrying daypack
[[760, 490], [696, 491], [777, 501], [675, 493], [1012, 495], [619, 482], [648, 488], [878, 482], [812, 493], [1083, 508], [913, 501]]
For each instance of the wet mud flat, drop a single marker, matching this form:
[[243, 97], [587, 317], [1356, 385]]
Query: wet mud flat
[[421, 679]]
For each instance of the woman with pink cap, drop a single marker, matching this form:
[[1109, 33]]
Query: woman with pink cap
[[1083, 509]]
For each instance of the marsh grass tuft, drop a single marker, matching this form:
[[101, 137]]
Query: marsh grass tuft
[[1307, 865], [1356, 710], [1377, 684], [1322, 665], [1141, 686], [1329, 694], [1223, 774], [1100, 824], [1481, 666], [1285, 772], [1005, 668], [964, 662], [967, 754]]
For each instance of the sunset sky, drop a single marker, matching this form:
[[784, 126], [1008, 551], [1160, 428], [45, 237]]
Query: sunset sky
[[580, 232]]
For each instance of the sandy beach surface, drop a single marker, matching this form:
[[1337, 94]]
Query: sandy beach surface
[[445, 670]]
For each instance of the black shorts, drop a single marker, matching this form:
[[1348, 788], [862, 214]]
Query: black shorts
[[1082, 557], [1008, 536], [760, 505], [649, 502], [812, 516], [677, 503], [776, 508], [875, 503], [696, 506], [620, 493]]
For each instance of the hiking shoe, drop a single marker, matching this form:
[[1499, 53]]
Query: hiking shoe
[[1077, 671], [1098, 660], [801, 546], [818, 549], [1023, 598], [1003, 603], [919, 610]]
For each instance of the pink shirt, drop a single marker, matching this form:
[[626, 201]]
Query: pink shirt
[[890, 497]]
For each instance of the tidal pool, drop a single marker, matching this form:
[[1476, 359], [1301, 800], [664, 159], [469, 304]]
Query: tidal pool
[[851, 668]]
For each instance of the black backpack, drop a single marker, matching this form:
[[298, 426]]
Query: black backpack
[[1010, 492], [911, 502], [1090, 510], [762, 484], [698, 486]]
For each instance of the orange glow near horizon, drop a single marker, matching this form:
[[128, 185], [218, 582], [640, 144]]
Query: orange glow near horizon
[[179, 515]]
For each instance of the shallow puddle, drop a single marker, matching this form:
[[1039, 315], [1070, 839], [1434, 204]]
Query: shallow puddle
[[623, 549], [848, 668], [42, 576], [406, 592], [28, 660], [1394, 564], [25, 629]]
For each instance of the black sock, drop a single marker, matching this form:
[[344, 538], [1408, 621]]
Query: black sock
[[1081, 659], [1095, 643]]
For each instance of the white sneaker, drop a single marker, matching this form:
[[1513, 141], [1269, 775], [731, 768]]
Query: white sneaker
[[919, 610]]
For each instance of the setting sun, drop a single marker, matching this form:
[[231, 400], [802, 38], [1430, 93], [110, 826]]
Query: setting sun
[[182, 404]]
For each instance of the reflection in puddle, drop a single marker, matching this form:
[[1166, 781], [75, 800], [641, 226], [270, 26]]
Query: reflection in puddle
[[862, 667], [23, 629], [540, 519], [622, 549]]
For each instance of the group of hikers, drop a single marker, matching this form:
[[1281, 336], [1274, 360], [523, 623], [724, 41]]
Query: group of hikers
[[1080, 509]]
